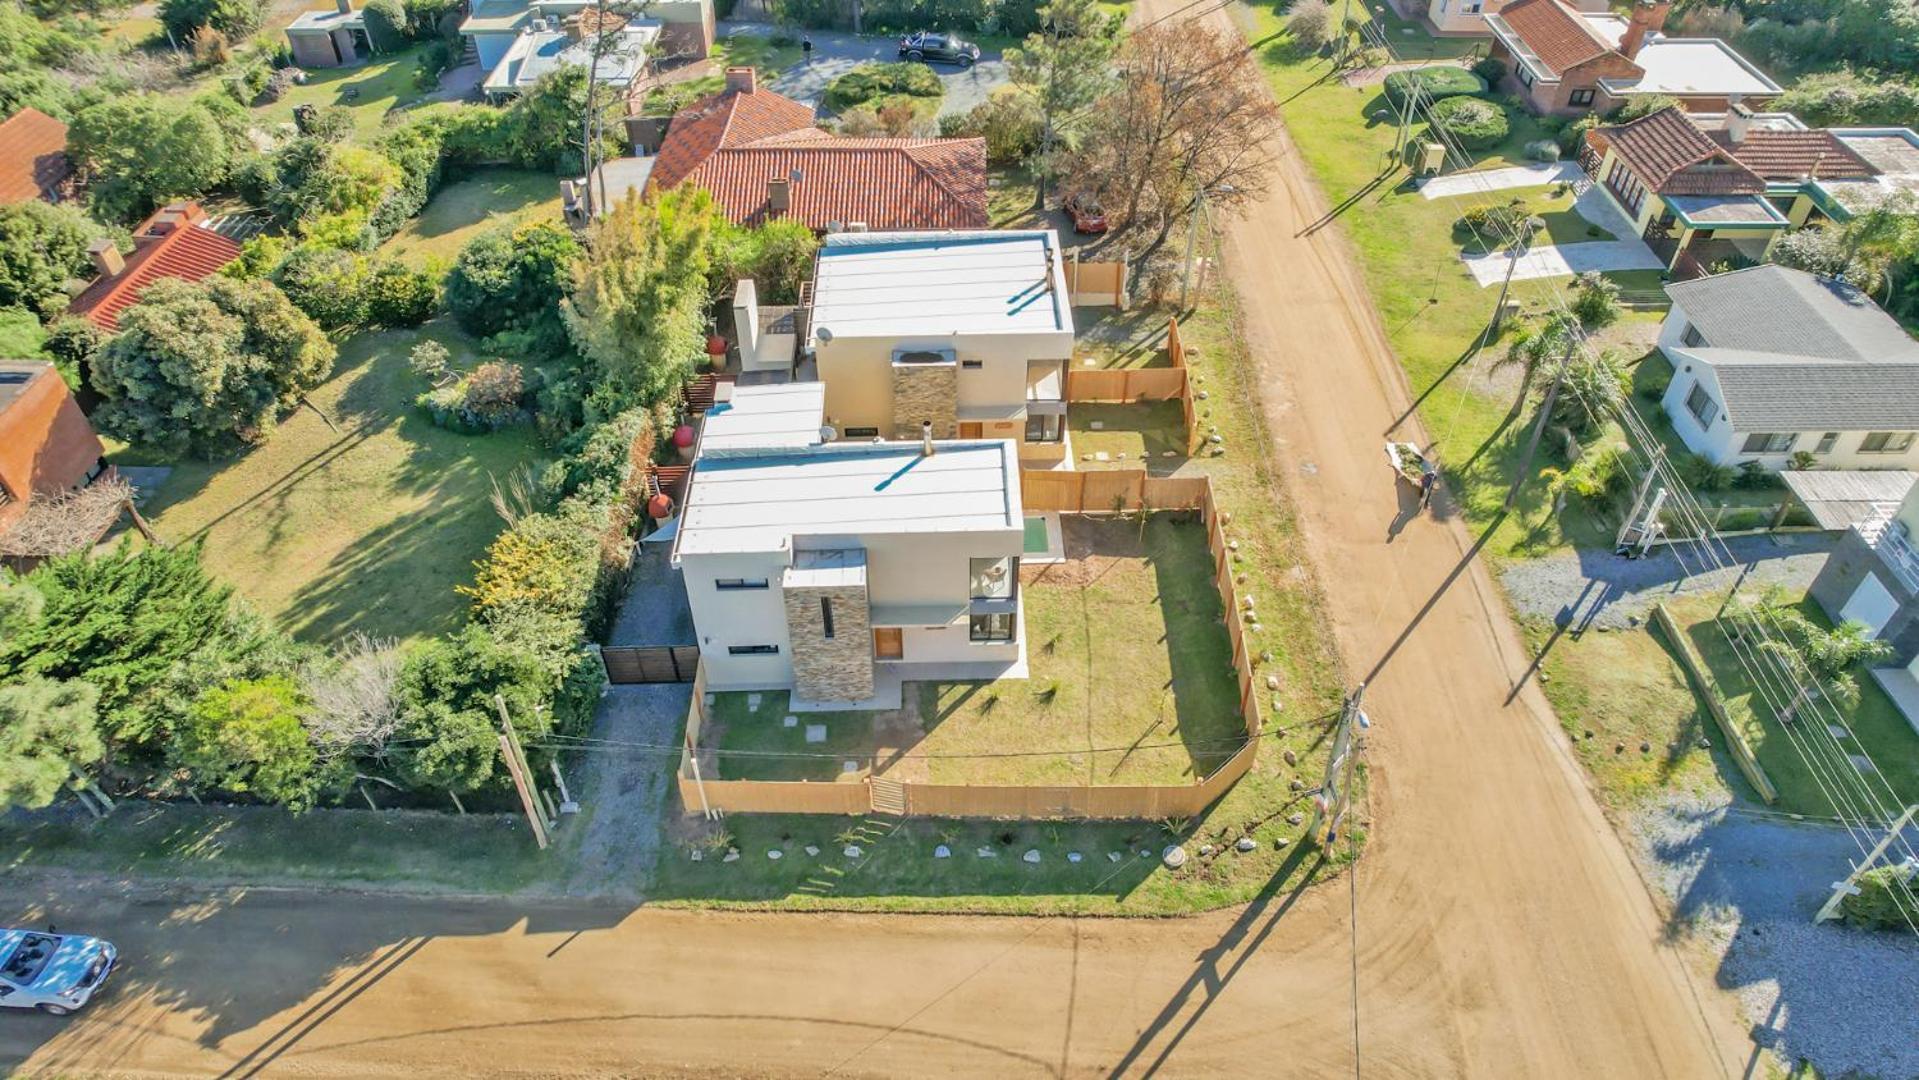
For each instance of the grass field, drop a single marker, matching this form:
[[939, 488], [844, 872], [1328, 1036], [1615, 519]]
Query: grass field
[[369, 92], [1130, 668], [756, 736], [1131, 436], [368, 527], [467, 207]]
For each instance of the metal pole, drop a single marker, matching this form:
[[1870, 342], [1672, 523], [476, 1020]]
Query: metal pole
[[1519, 247], [1539, 429], [1192, 231]]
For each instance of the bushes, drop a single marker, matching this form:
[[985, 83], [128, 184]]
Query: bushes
[[386, 24], [234, 18], [1436, 83], [510, 281], [1311, 23], [1878, 905], [435, 60], [1494, 225], [1475, 123], [1595, 300], [869, 83], [1010, 121], [487, 399], [41, 247], [1491, 70], [1701, 474], [1847, 99], [145, 149], [397, 295], [328, 284]]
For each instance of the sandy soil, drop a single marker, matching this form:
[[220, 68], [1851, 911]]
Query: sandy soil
[[1501, 929]]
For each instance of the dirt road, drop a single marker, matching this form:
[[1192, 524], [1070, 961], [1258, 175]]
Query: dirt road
[[1502, 931]]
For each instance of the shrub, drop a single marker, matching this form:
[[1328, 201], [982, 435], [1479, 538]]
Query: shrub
[[1009, 120], [328, 284], [512, 278], [147, 148], [1802, 460], [42, 247], [247, 82], [447, 690], [1494, 224], [397, 295], [1311, 24], [543, 562], [279, 81], [1595, 300], [1573, 135], [1754, 476], [428, 360], [1475, 123], [1653, 387], [1436, 83], [245, 737], [1598, 476], [1491, 70], [1640, 105], [386, 24], [1701, 474], [1543, 150], [434, 61], [871, 82], [235, 18], [1879, 904], [487, 399]]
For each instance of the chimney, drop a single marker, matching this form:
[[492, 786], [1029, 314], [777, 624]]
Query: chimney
[[746, 318], [779, 192], [926, 438], [106, 258], [1738, 120], [743, 79], [575, 27], [1648, 18], [345, 6], [162, 224]]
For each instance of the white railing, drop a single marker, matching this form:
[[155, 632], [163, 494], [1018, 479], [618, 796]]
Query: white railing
[[1883, 536]]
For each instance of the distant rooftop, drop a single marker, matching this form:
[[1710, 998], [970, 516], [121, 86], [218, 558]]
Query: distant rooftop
[[505, 16], [327, 21], [935, 284], [760, 502], [1683, 66], [768, 416], [538, 53]]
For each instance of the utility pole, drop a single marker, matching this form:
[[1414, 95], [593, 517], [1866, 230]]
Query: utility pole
[[522, 776], [1335, 797], [1848, 887], [1520, 243], [1545, 413], [588, 132]]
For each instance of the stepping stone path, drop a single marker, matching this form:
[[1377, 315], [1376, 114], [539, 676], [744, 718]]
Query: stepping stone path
[[1279, 842], [1206, 850], [752, 703], [791, 721], [1174, 857], [697, 855], [1112, 856], [732, 855], [987, 853], [1295, 819], [942, 852], [1838, 731], [1245, 843], [853, 851], [1032, 855], [1862, 763], [776, 854], [816, 733], [812, 849], [1073, 856], [1144, 854]]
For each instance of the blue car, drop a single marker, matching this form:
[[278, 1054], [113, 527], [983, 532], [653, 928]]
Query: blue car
[[55, 973]]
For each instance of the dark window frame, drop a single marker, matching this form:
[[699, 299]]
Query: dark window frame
[[752, 650], [741, 584], [1711, 410], [1887, 442], [981, 627], [861, 432], [1826, 442], [1581, 97], [1768, 442], [826, 617]]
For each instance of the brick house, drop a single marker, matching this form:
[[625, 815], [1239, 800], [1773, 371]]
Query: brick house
[[762, 158], [1566, 61]]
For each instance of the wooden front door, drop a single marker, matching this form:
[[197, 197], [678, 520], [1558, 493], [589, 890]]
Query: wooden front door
[[971, 430], [889, 643]]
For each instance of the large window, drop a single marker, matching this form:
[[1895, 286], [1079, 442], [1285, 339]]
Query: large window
[[997, 626], [826, 617], [1886, 442], [752, 650], [732, 584], [1692, 338], [1761, 442], [1044, 427], [1581, 97], [993, 579], [1826, 443], [1701, 406]]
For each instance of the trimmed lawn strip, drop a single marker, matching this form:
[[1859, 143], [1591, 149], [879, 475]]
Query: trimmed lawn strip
[[749, 733], [465, 208], [369, 92], [1126, 649], [1131, 436], [409, 850], [367, 528]]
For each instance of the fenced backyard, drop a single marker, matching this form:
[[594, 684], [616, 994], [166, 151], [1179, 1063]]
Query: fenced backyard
[[1147, 595], [1135, 413]]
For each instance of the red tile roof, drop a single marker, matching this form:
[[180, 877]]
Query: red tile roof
[[734, 142], [33, 157], [1791, 155], [173, 243], [1674, 156], [1557, 34]]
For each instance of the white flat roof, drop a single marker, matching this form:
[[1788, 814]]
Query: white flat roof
[[534, 55], [760, 502], [327, 21], [1694, 66], [937, 284], [769, 416]]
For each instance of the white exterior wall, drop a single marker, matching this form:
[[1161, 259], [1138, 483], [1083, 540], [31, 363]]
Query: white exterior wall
[[492, 47], [901, 568], [1451, 16], [1721, 443], [858, 374]]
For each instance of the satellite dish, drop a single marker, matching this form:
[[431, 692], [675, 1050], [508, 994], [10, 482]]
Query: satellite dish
[[823, 334], [827, 434]]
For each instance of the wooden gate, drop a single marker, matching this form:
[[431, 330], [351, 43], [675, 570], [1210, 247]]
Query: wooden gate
[[653, 664]]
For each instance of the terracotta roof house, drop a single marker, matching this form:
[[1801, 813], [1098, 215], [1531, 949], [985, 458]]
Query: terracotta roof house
[[1704, 188], [762, 157], [175, 242], [1565, 60], [33, 158], [46, 445]]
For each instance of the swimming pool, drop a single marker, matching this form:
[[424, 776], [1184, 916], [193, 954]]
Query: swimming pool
[[1036, 542]]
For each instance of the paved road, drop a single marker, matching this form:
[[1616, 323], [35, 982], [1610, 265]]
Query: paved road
[[1501, 929], [835, 54]]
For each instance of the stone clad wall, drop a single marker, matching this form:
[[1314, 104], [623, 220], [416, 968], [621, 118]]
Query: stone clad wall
[[836, 669], [925, 392]]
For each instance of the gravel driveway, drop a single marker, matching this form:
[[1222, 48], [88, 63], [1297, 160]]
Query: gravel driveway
[[835, 54], [1589, 587], [1748, 884]]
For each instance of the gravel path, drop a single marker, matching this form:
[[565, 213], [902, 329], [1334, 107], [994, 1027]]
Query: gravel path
[[1748, 885], [623, 793], [654, 611], [1587, 587]]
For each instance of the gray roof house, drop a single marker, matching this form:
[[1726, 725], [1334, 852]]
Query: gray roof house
[[1769, 362]]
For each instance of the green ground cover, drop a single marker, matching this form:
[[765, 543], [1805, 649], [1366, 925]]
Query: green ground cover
[[367, 524], [369, 92], [471, 205], [1131, 436], [750, 741]]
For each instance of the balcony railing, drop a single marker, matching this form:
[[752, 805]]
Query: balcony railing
[[1883, 535]]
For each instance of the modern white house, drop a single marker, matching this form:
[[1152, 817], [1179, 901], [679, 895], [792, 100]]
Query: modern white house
[[970, 331], [682, 29], [1769, 362], [837, 569], [537, 52]]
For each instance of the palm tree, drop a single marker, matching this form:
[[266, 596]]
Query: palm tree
[[1819, 657]]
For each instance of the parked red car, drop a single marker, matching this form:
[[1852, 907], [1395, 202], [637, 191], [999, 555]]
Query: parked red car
[[1086, 213]]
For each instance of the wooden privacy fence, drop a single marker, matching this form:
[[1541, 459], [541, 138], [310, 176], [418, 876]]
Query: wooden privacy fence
[[650, 664], [1096, 284], [1127, 386], [700, 794], [1109, 490]]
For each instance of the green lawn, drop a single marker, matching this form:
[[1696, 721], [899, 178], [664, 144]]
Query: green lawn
[[369, 91], [751, 736], [468, 207], [1628, 689], [1131, 436], [368, 527], [1130, 664]]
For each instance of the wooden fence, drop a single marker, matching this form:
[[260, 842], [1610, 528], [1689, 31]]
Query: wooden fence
[[1144, 802], [1131, 385], [1096, 284], [650, 664]]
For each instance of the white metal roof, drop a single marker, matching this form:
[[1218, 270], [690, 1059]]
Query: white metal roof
[[768, 416], [938, 284], [1693, 66], [760, 502]]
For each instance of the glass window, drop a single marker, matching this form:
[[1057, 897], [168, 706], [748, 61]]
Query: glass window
[[1580, 97], [1700, 405], [1768, 443], [972, 365], [995, 627], [1525, 74], [728, 584], [1042, 427], [752, 650], [826, 617], [1826, 443], [862, 432], [1886, 442], [994, 579]]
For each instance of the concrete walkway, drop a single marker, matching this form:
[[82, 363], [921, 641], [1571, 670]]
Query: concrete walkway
[[1628, 252], [1538, 174], [1560, 261]]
